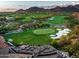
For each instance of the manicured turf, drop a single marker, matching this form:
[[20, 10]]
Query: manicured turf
[[28, 37], [43, 31], [35, 37], [57, 20]]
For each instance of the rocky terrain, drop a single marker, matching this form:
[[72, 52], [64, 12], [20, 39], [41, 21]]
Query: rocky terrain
[[40, 51]]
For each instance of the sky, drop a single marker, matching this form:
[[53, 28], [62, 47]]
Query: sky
[[15, 5]]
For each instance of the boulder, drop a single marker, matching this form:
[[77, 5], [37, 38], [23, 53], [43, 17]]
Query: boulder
[[63, 54], [22, 47], [47, 49]]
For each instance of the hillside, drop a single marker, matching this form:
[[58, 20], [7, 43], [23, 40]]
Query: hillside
[[69, 8]]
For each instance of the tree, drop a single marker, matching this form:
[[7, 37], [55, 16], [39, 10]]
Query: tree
[[63, 41], [3, 30], [12, 26], [71, 21]]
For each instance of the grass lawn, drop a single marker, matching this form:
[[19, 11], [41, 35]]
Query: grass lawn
[[43, 31], [28, 37], [57, 20], [35, 37]]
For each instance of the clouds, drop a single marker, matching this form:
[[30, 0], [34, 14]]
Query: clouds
[[14, 5]]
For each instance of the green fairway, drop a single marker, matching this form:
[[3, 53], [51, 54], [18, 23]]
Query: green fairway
[[35, 37], [30, 16], [57, 20], [28, 37]]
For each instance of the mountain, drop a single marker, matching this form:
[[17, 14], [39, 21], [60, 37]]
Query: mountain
[[36, 9], [69, 8], [47, 7], [58, 8], [21, 11]]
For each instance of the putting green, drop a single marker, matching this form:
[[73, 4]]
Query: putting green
[[43, 31]]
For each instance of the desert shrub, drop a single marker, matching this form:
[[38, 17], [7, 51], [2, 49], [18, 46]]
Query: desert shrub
[[54, 43], [3, 30], [63, 41], [12, 25], [74, 46], [76, 29], [70, 44]]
